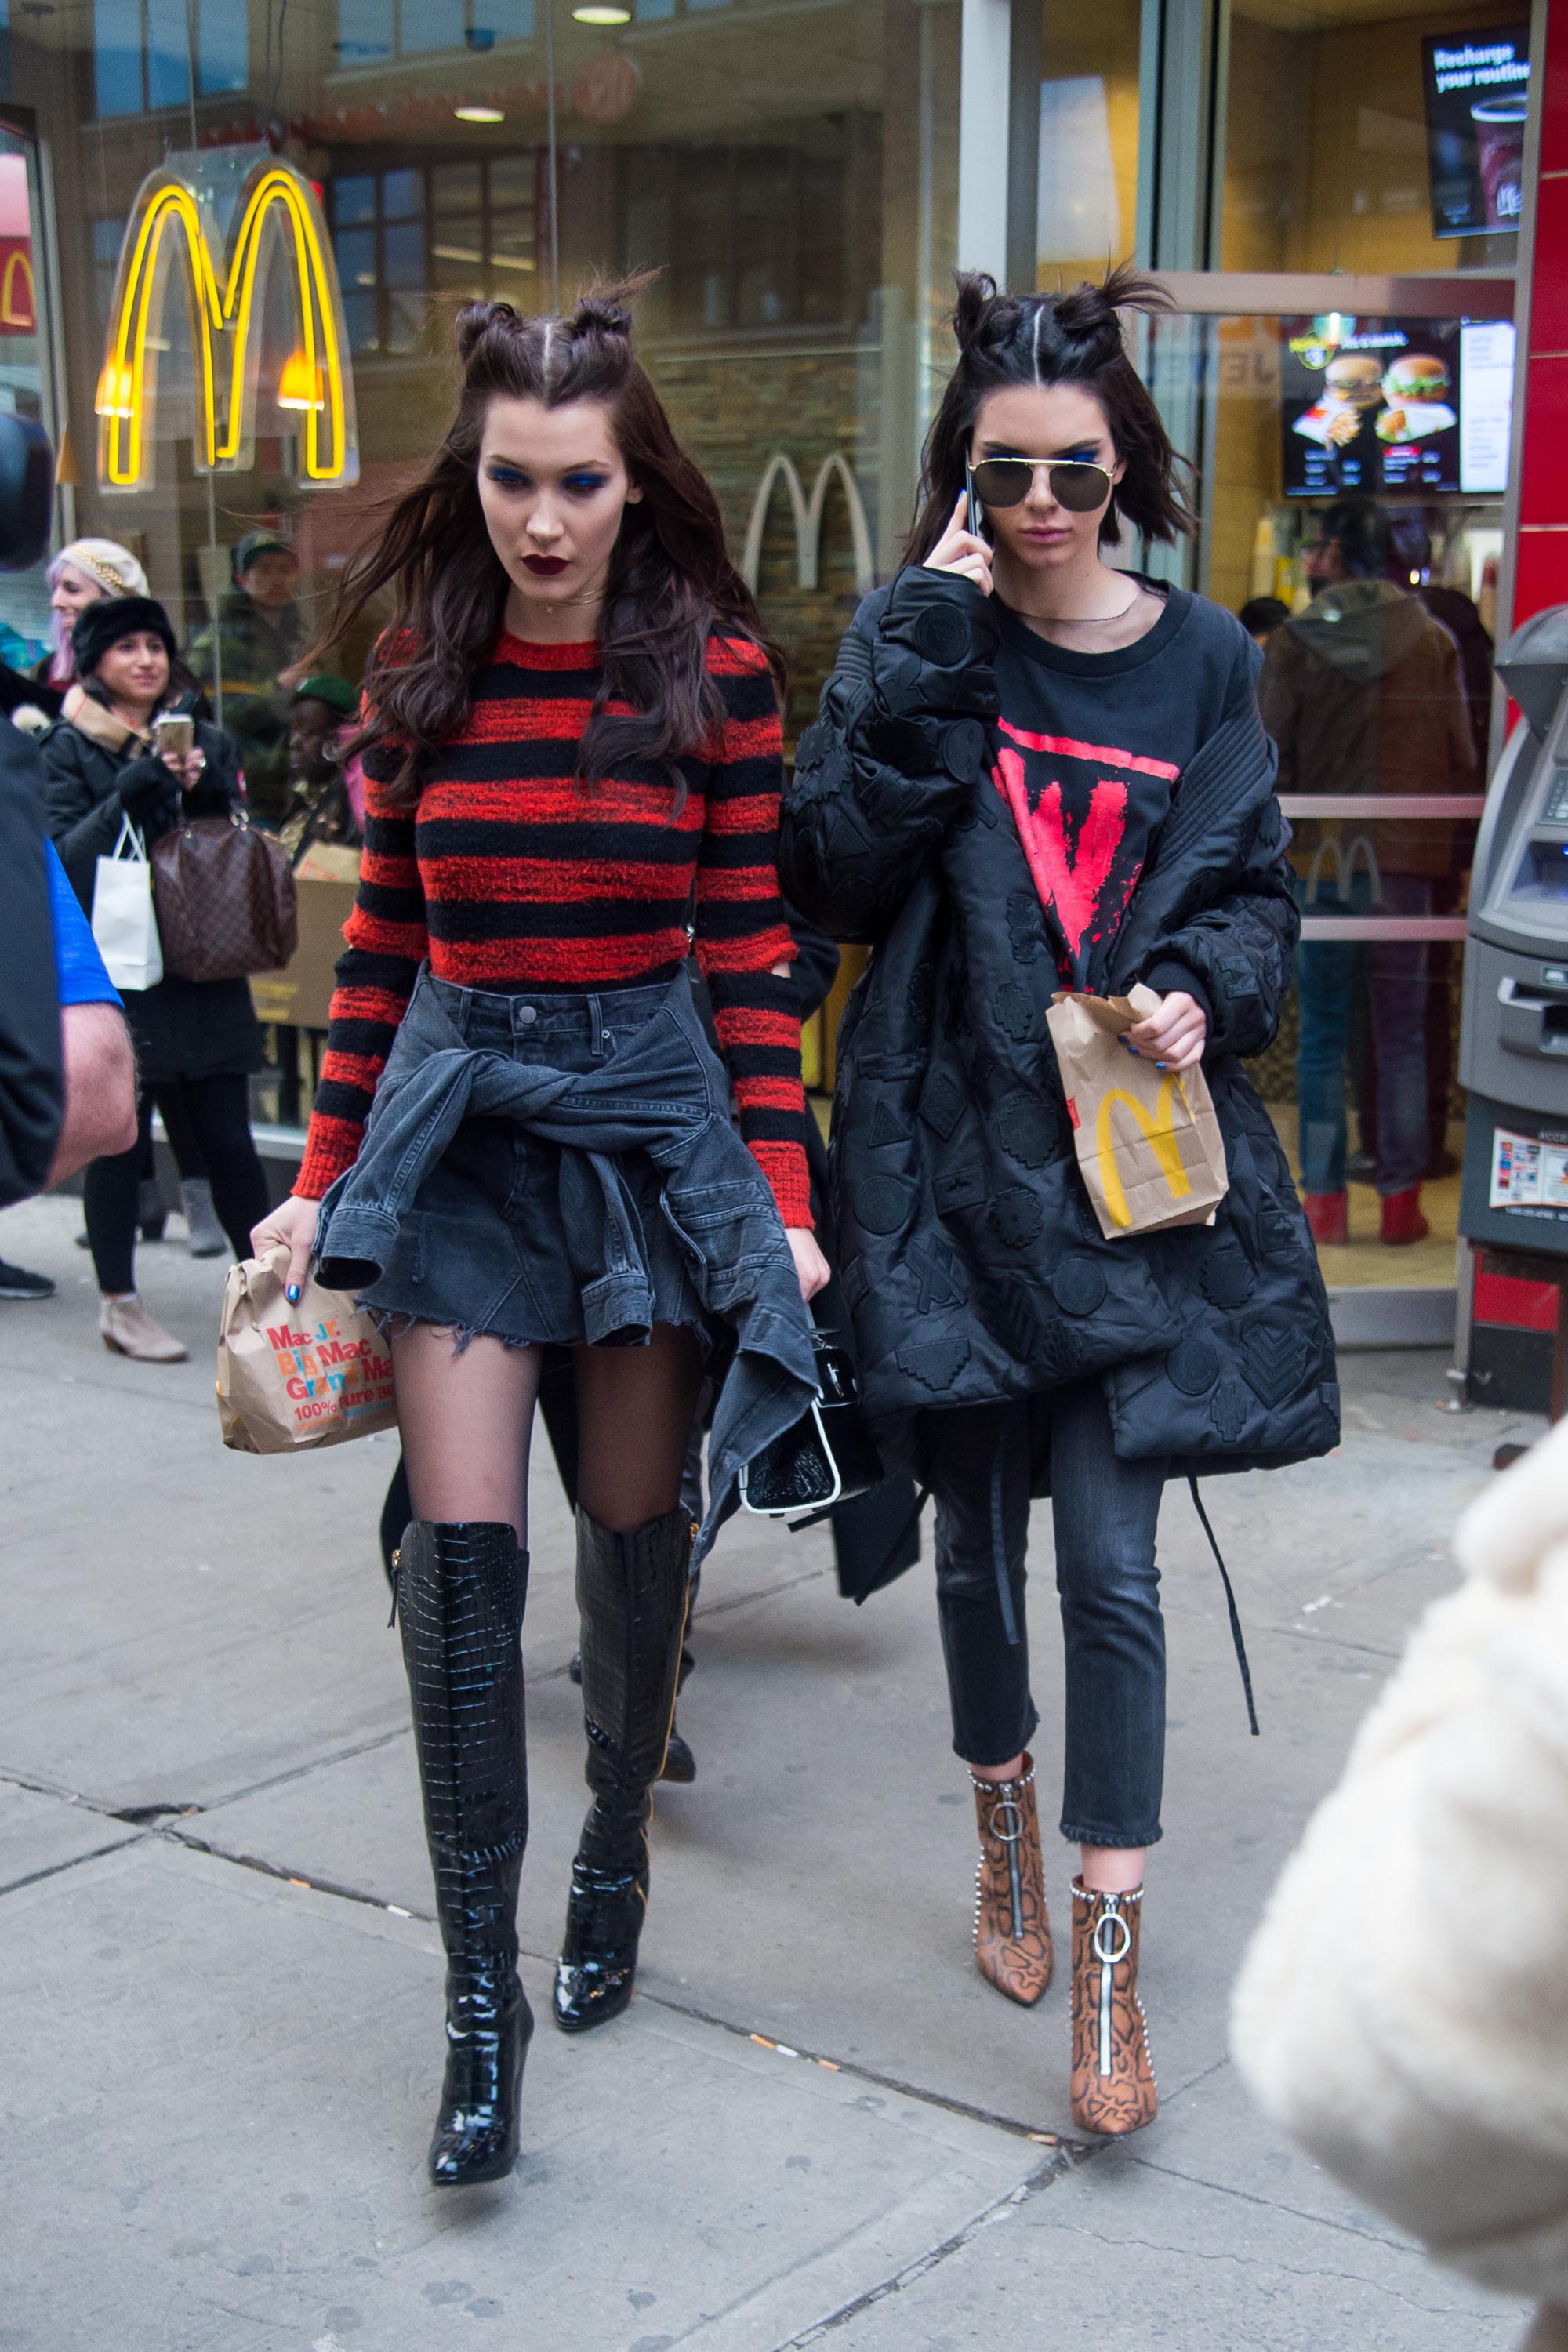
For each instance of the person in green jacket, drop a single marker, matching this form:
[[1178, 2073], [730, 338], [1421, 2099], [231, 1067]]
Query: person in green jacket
[[256, 638]]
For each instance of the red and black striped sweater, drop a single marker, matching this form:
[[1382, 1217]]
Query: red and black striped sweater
[[512, 872]]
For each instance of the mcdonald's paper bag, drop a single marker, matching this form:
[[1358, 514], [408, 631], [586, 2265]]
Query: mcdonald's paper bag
[[292, 1377], [1148, 1143]]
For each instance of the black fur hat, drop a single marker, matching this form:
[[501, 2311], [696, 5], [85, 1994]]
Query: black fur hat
[[103, 623]]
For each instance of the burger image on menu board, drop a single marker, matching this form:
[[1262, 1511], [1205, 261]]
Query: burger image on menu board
[[1416, 393]]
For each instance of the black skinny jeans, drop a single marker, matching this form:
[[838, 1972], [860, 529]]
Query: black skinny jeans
[[1104, 1513], [217, 1115]]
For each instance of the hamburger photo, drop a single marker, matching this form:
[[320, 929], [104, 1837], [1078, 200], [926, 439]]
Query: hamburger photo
[[1415, 389]]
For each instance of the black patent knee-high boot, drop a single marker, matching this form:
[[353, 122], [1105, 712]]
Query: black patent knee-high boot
[[459, 1592], [632, 1593]]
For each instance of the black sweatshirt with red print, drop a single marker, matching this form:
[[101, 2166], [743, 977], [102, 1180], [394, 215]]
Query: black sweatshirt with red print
[[510, 873], [1091, 748]]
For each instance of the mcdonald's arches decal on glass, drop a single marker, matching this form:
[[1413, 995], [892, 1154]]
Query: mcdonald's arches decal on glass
[[276, 224]]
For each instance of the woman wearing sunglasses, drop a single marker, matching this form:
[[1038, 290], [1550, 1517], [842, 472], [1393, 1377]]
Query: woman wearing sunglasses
[[1033, 771]]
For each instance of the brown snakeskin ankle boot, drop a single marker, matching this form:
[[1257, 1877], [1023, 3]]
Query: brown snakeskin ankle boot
[[1113, 2087], [1012, 1932]]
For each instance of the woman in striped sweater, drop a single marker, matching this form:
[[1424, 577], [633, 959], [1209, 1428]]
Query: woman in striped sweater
[[522, 1140]]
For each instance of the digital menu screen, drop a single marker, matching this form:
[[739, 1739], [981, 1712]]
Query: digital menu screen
[[1476, 101], [1371, 405]]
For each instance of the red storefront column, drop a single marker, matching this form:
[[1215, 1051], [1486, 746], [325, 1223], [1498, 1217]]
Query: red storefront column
[[1540, 559]]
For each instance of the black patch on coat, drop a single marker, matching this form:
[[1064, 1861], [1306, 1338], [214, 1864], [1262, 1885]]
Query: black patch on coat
[[1229, 1410], [1226, 1279], [965, 1187], [942, 634], [1273, 1360], [1026, 1129], [1024, 928], [888, 1127], [942, 1103], [963, 749], [1015, 1011], [1193, 1366], [1079, 1286], [883, 1202], [938, 1272], [935, 1362], [1017, 1215]]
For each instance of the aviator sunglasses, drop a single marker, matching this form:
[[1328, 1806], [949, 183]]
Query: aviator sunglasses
[[1076, 483]]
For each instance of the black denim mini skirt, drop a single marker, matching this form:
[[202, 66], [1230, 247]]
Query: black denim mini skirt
[[492, 1241], [549, 1169]]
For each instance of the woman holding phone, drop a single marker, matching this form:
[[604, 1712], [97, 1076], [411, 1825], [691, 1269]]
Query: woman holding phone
[[1035, 771], [115, 760]]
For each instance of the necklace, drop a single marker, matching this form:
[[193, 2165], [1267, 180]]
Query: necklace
[[1094, 621]]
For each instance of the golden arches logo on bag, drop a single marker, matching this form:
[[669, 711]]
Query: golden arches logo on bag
[[1158, 1131], [277, 223]]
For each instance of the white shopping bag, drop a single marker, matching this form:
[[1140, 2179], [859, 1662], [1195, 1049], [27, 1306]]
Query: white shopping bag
[[123, 921]]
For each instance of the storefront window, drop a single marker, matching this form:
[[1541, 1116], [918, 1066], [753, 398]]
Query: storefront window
[[1375, 139], [1352, 512], [1089, 139], [790, 172]]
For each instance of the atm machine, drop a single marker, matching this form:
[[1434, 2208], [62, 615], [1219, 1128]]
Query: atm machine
[[1513, 1048]]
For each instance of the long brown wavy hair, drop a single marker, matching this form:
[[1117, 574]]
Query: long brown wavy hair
[[1071, 338], [671, 583]]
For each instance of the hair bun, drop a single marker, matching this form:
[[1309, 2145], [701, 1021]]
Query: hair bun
[[982, 318], [598, 314], [475, 321]]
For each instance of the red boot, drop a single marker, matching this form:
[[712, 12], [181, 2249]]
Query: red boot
[[1328, 1213], [1403, 1222]]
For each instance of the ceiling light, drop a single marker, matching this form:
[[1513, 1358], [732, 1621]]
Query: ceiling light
[[480, 113], [603, 16]]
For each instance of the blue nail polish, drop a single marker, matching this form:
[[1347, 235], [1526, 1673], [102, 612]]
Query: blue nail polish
[[1159, 1065], [292, 1293]]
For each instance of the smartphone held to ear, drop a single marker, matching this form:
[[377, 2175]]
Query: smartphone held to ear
[[976, 512], [174, 732]]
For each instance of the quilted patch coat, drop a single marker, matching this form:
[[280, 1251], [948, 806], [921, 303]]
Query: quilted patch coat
[[972, 1260]]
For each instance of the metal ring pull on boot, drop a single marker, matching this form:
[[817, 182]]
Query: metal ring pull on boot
[[1113, 2085], [1012, 1947], [459, 1599], [632, 1595]]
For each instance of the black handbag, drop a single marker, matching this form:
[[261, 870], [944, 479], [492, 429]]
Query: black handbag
[[829, 1456]]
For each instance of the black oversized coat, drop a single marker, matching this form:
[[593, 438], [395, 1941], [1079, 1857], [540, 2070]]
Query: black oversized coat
[[971, 1258], [182, 1028]]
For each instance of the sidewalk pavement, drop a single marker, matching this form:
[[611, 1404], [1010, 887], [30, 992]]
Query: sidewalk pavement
[[220, 1982]]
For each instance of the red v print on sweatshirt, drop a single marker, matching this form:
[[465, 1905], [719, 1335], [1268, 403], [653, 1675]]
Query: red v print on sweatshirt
[[1071, 883]]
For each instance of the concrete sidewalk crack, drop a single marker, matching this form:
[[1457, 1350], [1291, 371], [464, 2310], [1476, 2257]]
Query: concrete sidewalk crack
[[1063, 2149], [55, 1869], [1268, 2263], [1002, 2209]]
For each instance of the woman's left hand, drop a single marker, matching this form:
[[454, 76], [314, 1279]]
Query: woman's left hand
[[186, 768], [1175, 1037], [809, 1262]]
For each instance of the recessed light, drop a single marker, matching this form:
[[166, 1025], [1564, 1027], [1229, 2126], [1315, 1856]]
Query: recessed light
[[480, 113], [606, 14]]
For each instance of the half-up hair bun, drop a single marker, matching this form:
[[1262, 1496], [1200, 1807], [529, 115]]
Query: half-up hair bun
[[475, 322], [1093, 314], [608, 309], [982, 318]]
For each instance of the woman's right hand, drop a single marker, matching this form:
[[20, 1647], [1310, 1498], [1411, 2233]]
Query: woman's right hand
[[292, 1223], [959, 551]]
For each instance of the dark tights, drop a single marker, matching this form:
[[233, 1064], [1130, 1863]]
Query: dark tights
[[216, 1112], [466, 1417]]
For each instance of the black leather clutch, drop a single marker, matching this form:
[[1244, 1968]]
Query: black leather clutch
[[830, 1454]]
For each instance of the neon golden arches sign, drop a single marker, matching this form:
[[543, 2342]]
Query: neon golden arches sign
[[166, 228]]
